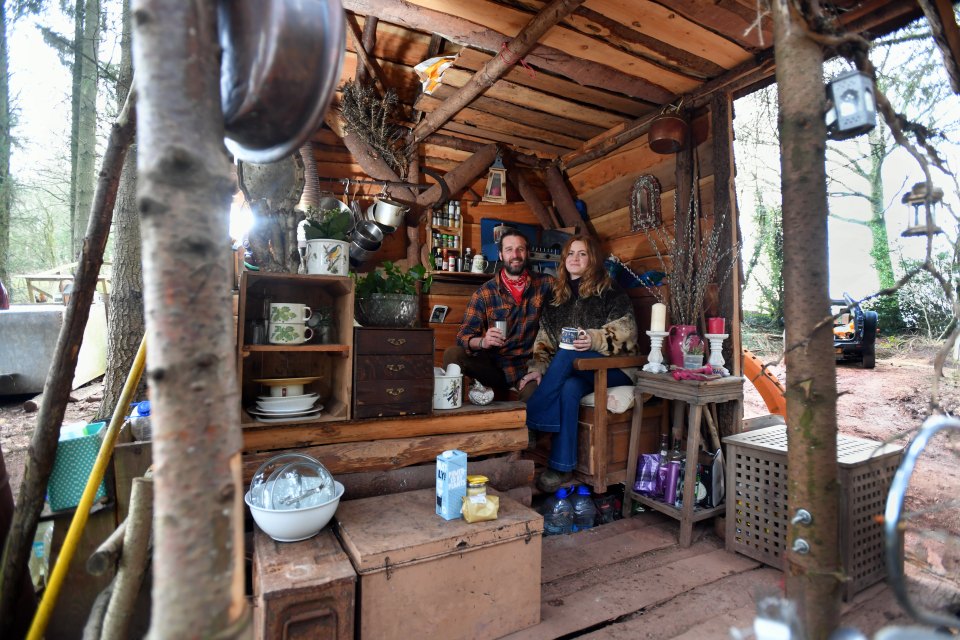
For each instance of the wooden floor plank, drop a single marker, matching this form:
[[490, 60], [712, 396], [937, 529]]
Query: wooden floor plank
[[591, 554], [609, 600]]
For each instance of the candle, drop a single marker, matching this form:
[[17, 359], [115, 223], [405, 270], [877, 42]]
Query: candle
[[658, 317], [715, 325]]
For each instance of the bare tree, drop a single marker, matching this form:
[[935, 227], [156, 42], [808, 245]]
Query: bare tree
[[85, 106], [126, 292], [812, 578], [183, 196]]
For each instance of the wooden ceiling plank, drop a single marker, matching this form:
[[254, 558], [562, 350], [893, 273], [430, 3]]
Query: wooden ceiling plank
[[486, 121], [474, 59], [593, 22], [532, 117], [465, 32], [520, 95], [524, 41], [462, 144], [728, 18], [522, 143], [662, 24], [509, 21]]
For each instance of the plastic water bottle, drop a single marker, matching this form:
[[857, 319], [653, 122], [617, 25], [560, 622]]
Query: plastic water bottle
[[557, 513], [584, 510], [140, 421]]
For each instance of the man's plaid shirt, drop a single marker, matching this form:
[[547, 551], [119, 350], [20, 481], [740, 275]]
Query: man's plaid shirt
[[493, 301]]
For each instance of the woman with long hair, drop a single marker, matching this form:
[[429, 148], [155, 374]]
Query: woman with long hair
[[584, 297]]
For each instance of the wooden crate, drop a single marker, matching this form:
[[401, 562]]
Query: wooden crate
[[303, 589], [332, 363], [758, 515], [421, 575]]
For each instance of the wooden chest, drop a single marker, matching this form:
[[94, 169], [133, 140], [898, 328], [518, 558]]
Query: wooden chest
[[421, 575], [302, 589], [392, 372]]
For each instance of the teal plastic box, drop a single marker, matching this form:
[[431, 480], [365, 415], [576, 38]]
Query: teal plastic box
[[71, 469]]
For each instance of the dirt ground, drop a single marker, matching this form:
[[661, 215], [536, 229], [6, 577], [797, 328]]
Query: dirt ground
[[887, 403]]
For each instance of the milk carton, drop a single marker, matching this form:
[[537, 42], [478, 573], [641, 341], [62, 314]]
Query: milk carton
[[451, 483]]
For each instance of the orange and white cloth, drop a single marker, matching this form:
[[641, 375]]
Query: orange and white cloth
[[430, 72]]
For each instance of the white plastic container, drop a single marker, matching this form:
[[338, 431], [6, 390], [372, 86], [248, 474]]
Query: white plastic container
[[447, 391]]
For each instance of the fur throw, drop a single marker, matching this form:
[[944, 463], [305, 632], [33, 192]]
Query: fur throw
[[608, 319]]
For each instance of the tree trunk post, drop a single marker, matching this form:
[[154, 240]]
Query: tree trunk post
[[813, 579], [183, 197]]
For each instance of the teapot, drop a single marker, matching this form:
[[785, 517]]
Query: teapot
[[479, 264]]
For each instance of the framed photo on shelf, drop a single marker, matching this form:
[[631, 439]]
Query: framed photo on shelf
[[439, 313]]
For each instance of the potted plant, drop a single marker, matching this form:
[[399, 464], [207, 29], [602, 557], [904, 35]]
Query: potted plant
[[692, 352], [326, 235], [387, 297]]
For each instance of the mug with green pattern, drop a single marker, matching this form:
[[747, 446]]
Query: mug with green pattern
[[289, 333], [287, 312]]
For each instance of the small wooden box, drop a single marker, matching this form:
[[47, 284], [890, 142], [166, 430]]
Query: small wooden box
[[421, 575], [393, 372], [302, 589]]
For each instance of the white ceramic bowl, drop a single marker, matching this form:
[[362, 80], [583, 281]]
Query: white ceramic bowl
[[295, 524]]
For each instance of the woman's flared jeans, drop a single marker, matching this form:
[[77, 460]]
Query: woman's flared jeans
[[555, 405]]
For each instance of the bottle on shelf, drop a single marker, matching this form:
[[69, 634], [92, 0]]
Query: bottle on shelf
[[664, 448], [584, 510], [557, 511]]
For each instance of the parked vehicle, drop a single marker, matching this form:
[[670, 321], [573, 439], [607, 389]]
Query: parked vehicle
[[854, 332]]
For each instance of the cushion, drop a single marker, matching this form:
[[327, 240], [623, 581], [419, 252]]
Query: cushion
[[619, 399]]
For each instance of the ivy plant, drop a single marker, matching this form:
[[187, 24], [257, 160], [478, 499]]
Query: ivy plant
[[392, 279]]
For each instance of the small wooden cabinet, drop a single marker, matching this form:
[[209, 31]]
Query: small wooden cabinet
[[392, 372], [330, 363]]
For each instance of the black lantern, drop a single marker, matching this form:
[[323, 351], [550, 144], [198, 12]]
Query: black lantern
[[854, 108], [918, 198]]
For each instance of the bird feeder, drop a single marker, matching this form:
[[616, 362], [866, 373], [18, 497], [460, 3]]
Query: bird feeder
[[918, 197], [496, 190], [854, 109]]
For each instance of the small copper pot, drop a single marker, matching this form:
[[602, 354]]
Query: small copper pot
[[667, 134]]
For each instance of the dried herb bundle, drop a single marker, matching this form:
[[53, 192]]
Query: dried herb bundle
[[374, 119], [693, 260]]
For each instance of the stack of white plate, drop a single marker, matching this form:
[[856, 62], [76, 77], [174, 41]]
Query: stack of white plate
[[277, 409]]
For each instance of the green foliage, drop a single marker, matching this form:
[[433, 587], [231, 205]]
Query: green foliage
[[924, 305], [392, 279], [766, 263], [334, 224]]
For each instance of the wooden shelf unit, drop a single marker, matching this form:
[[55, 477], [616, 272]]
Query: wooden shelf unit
[[457, 232], [332, 363]]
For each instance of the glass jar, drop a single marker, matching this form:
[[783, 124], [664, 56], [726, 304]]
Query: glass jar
[[476, 486]]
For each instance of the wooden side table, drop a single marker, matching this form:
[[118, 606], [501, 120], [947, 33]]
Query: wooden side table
[[696, 395]]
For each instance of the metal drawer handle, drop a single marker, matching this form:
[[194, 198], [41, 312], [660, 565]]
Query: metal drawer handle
[[396, 392], [397, 341], [395, 367]]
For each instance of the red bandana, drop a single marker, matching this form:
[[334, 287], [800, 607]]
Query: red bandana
[[516, 287]]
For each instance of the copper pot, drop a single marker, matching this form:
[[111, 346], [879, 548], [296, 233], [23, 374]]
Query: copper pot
[[667, 134]]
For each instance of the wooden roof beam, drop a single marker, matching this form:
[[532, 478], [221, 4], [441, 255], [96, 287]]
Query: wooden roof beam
[[368, 42], [369, 63], [470, 34], [498, 65]]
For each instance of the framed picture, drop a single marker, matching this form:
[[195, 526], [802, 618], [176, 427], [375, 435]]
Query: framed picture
[[439, 313]]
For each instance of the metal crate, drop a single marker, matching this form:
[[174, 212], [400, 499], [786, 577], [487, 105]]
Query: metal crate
[[758, 513]]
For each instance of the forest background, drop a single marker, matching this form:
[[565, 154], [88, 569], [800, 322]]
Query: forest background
[[65, 83]]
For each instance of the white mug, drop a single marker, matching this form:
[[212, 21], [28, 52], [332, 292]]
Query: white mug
[[479, 264], [286, 312], [289, 333]]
